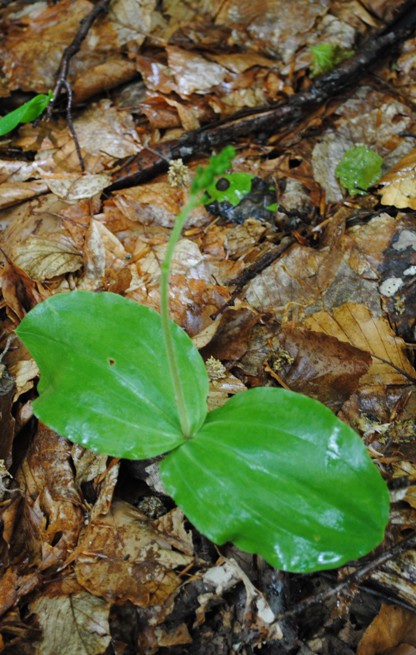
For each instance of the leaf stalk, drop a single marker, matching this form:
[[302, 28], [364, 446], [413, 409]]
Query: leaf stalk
[[193, 201]]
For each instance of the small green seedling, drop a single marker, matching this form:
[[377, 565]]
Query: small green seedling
[[26, 113], [273, 471], [325, 56], [359, 169]]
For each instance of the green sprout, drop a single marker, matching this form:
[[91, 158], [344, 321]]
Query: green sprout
[[325, 56], [359, 169]]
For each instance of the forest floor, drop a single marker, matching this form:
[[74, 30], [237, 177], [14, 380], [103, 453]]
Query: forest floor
[[317, 296]]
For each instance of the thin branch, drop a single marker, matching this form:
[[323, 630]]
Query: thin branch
[[70, 51], [268, 120], [354, 578]]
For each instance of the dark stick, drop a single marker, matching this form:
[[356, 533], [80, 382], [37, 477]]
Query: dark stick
[[355, 578], [253, 270], [268, 120], [62, 74]]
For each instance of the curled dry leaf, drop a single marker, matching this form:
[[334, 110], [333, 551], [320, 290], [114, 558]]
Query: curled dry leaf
[[36, 242], [398, 186], [391, 627], [53, 515]]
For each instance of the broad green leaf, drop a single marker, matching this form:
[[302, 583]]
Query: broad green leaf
[[279, 475], [26, 113], [359, 169], [104, 375]]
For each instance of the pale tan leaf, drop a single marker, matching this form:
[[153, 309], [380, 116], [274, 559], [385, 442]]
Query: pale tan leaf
[[75, 187], [398, 186], [75, 624], [12, 193], [192, 72], [45, 258]]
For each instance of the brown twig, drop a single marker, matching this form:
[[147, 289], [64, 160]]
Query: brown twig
[[266, 121], [61, 78], [253, 270]]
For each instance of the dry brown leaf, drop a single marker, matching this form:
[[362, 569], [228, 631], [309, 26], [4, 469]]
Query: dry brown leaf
[[72, 187], [32, 49], [74, 624], [19, 292], [14, 587], [36, 242], [192, 72], [53, 504], [353, 323], [399, 184], [103, 77], [11, 193], [171, 527], [121, 557], [299, 278], [392, 626], [277, 25], [323, 367], [46, 258]]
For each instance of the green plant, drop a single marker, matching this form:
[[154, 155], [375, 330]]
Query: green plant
[[359, 169], [325, 56], [273, 471], [26, 113]]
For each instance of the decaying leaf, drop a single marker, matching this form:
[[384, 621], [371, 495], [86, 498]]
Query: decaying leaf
[[121, 557], [77, 623], [354, 324], [393, 626], [322, 367]]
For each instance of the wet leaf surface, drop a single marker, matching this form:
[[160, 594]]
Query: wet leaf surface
[[331, 316]]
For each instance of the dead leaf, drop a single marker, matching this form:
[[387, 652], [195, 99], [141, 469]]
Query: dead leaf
[[323, 367], [355, 324], [11, 193], [102, 77], [121, 557], [77, 624], [33, 46], [51, 500], [391, 627], [36, 242], [73, 187], [398, 186]]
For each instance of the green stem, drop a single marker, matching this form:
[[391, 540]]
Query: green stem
[[165, 315]]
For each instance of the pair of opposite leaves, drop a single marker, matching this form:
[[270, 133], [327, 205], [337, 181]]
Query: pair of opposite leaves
[[272, 471]]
